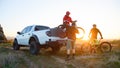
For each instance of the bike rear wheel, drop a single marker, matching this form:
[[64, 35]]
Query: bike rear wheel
[[105, 47], [85, 48], [81, 32]]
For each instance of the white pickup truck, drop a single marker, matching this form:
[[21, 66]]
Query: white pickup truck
[[38, 36]]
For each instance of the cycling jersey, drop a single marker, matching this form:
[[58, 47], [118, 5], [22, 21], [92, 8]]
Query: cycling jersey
[[67, 19], [94, 32]]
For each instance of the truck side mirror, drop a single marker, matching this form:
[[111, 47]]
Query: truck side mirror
[[19, 33]]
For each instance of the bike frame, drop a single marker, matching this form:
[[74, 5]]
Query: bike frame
[[95, 42]]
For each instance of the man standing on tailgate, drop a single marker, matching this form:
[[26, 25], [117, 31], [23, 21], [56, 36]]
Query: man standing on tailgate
[[67, 19]]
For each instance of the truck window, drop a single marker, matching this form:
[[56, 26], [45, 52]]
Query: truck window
[[27, 29], [41, 28]]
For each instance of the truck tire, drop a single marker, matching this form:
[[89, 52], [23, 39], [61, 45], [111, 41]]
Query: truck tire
[[15, 45], [34, 48], [56, 47]]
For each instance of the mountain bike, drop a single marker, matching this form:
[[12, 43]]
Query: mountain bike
[[97, 45], [80, 29]]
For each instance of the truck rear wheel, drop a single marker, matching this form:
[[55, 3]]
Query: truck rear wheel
[[56, 47], [34, 48]]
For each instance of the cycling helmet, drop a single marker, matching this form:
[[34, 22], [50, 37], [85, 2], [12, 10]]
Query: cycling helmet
[[94, 24], [67, 13]]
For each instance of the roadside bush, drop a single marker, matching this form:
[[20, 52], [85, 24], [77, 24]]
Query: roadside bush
[[113, 64]]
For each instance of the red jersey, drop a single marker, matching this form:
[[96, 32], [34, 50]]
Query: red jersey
[[67, 19]]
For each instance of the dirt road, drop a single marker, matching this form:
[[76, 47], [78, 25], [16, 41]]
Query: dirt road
[[10, 58]]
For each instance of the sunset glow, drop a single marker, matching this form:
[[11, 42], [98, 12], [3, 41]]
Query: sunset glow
[[17, 14]]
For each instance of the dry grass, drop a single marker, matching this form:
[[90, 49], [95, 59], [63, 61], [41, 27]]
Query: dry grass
[[113, 60], [46, 59], [9, 59], [116, 42]]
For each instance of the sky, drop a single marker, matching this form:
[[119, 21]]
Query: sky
[[17, 14]]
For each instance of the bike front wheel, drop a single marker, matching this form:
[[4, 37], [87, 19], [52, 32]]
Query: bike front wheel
[[105, 47]]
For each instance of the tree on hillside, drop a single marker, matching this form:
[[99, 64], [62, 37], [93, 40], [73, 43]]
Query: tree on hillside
[[2, 35]]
